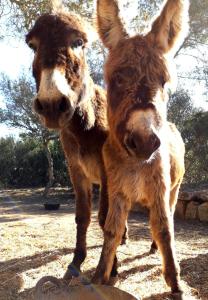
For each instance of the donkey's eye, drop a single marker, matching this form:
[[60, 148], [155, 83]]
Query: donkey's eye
[[78, 43], [162, 81], [32, 46], [119, 80]]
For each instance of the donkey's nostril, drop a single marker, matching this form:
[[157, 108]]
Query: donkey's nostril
[[63, 105], [38, 106], [154, 142], [130, 142], [141, 147]]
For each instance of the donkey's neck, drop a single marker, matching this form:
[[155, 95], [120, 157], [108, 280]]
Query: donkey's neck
[[86, 108], [85, 115]]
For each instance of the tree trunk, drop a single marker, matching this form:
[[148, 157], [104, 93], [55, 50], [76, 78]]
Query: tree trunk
[[50, 168]]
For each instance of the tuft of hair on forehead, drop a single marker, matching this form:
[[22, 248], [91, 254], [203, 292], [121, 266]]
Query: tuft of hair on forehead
[[58, 8]]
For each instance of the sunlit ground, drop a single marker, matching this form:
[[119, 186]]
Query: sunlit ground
[[35, 243]]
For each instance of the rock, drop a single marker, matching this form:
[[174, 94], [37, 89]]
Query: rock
[[181, 209], [187, 196], [201, 196], [203, 212], [51, 288], [192, 210]]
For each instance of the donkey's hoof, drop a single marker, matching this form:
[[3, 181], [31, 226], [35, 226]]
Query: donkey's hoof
[[177, 293], [152, 250], [125, 237], [178, 296], [124, 240], [71, 272]]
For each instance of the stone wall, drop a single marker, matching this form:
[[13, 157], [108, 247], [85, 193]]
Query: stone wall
[[190, 206], [193, 205]]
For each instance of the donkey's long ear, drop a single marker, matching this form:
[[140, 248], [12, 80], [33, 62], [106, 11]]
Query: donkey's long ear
[[171, 27], [110, 26]]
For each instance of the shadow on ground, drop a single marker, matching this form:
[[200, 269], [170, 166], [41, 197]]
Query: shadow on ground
[[194, 271], [10, 271]]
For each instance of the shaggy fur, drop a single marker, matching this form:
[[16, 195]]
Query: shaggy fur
[[69, 101], [143, 154]]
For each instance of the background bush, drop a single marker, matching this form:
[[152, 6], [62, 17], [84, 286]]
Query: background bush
[[23, 163]]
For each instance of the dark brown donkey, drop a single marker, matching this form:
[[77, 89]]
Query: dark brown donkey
[[69, 101], [144, 153]]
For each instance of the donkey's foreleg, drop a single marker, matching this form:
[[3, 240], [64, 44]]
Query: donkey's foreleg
[[103, 204], [103, 210], [174, 198], [173, 201], [162, 231], [113, 232], [82, 187], [153, 248]]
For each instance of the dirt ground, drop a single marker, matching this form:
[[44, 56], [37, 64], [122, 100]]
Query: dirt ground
[[35, 243]]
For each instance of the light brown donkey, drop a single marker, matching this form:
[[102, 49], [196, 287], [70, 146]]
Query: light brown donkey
[[67, 100], [144, 153]]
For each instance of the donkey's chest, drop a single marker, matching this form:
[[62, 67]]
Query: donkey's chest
[[141, 184], [136, 185]]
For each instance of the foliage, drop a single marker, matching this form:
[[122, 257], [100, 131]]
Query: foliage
[[96, 57], [180, 108], [201, 74], [195, 134], [24, 13], [18, 95], [60, 166], [30, 163], [193, 125], [7, 160], [19, 114], [198, 22], [23, 163]]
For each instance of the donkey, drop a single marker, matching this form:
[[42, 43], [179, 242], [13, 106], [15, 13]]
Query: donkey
[[68, 101], [143, 153]]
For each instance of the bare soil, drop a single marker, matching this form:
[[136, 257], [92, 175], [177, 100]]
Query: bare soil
[[35, 243]]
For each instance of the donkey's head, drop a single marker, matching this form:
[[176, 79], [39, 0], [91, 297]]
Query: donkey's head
[[136, 73], [59, 66]]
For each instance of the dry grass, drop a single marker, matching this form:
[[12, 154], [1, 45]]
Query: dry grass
[[35, 243]]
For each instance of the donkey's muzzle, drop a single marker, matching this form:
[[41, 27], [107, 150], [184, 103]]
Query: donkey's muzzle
[[54, 113], [55, 106], [142, 148]]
